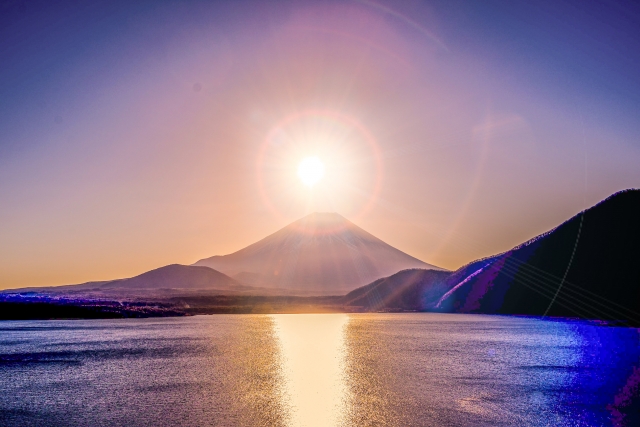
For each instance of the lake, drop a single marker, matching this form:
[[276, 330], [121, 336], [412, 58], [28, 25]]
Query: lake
[[421, 369]]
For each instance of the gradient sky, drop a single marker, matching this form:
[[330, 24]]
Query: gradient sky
[[139, 134]]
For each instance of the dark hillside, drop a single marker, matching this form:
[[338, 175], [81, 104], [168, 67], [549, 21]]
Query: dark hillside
[[599, 253]]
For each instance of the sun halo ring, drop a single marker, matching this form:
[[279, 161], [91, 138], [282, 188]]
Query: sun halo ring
[[342, 118]]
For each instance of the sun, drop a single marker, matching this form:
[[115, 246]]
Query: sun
[[310, 171]]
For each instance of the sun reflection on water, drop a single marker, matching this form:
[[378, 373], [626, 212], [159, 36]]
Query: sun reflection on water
[[312, 347]]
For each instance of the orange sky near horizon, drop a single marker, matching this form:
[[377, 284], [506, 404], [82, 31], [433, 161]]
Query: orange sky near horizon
[[147, 151]]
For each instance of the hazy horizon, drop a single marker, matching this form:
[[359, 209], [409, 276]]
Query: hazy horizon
[[139, 135]]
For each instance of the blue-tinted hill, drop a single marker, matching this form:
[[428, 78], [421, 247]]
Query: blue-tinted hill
[[587, 267]]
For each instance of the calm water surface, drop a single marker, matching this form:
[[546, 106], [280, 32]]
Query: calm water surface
[[318, 370]]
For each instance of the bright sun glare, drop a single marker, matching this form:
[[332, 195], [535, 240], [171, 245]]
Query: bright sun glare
[[310, 171]]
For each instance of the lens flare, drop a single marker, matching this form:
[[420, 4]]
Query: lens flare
[[352, 165], [310, 171]]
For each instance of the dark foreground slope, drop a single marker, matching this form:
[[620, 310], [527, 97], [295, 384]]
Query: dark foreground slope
[[588, 267]]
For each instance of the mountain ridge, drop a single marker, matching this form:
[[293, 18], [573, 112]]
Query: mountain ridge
[[169, 277], [584, 267], [322, 251]]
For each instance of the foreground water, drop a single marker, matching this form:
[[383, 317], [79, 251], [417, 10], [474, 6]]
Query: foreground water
[[318, 370]]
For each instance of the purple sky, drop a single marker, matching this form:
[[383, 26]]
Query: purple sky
[[138, 135]]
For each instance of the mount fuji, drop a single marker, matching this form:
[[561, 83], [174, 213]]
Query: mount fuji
[[320, 254]]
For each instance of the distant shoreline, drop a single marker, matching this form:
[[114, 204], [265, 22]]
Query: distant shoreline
[[16, 307]]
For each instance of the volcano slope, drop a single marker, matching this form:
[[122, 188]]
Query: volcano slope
[[320, 254]]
